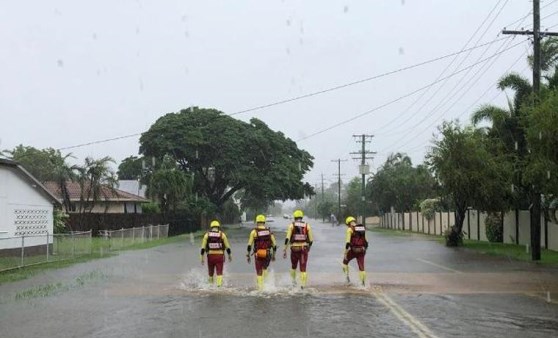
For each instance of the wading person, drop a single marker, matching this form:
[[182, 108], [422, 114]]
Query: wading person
[[214, 244], [299, 238], [355, 247], [262, 245]]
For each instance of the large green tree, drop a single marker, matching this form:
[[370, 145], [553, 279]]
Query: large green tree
[[130, 168], [226, 155], [400, 185], [468, 173]]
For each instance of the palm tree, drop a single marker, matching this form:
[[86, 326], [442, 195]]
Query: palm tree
[[63, 173], [505, 123], [92, 177], [506, 130]]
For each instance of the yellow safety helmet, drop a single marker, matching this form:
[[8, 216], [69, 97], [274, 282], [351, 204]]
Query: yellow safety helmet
[[350, 219], [298, 214], [215, 223], [260, 219]]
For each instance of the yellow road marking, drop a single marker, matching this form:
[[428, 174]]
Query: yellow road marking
[[414, 324], [438, 265]]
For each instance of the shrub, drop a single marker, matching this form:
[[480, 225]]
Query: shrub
[[494, 228], [453, 237], [429, 206], [59, 219], [150, 208]]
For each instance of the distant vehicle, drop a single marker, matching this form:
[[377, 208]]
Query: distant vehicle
[[269, 219], [286, 216]]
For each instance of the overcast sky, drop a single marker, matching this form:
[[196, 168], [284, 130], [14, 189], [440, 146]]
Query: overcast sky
[[74, 72]]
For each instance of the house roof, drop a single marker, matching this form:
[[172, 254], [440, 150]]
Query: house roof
[[29, 178], [106, 194]]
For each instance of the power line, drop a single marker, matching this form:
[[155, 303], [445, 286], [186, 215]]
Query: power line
[[399, 116], [448, 98], [529, 14], [296, 98], [99, 141], [403, 96], [300, 97], [443, 103], [459, 65]]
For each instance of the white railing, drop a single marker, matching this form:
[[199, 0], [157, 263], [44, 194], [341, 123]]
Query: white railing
[[20, 251]]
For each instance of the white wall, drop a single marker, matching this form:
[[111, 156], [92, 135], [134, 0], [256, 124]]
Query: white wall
[[23, 210]]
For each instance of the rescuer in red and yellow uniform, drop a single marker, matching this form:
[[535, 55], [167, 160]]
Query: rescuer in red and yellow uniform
[[355, 247], [214, 244], [300, 239], [262, 245]]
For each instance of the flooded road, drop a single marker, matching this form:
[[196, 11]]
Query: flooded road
[[417, 287]]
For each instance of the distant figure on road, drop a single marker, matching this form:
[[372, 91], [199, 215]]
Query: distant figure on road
[[263, 242], [299, 238], [333, 220], [214, 244], [355, 247]]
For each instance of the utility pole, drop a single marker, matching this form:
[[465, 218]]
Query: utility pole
[[363, 169], [535, 191], [339, 186]]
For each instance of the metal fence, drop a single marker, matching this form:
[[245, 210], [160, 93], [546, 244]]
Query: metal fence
[[122, 238], [20, 251]]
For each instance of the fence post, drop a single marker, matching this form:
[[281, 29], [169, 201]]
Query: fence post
[[468, 223], [133, 235], [47, 246], [90, 242], [150, 232], [158, 231], [478, 225], [545, 231], [73, 244], [22, 249], [121, 238], [143, 234], [516, 226], [441, 224]]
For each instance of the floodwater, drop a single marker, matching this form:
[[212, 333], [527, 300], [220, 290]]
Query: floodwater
[[417, 287]]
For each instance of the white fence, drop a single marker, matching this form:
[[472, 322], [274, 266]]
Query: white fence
[[516, 226], [37, 249]]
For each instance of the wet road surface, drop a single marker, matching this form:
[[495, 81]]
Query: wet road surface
[[417, 287]]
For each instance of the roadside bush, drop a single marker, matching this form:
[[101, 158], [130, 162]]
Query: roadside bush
[[453, 237], [429, 206], [494, 228]]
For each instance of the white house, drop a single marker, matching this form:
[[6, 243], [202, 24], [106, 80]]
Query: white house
[[26, 207]]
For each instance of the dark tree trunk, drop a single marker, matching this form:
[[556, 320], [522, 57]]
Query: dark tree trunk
[[454, 236]]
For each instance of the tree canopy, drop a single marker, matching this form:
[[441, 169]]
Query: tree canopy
[[225, 155], [468, 173], [398, 184]]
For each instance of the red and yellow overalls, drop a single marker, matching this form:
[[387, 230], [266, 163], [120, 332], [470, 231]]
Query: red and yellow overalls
[[300, 239], [214, 243]]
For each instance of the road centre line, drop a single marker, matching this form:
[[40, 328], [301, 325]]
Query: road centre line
[[406, 318], [438, 265]]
